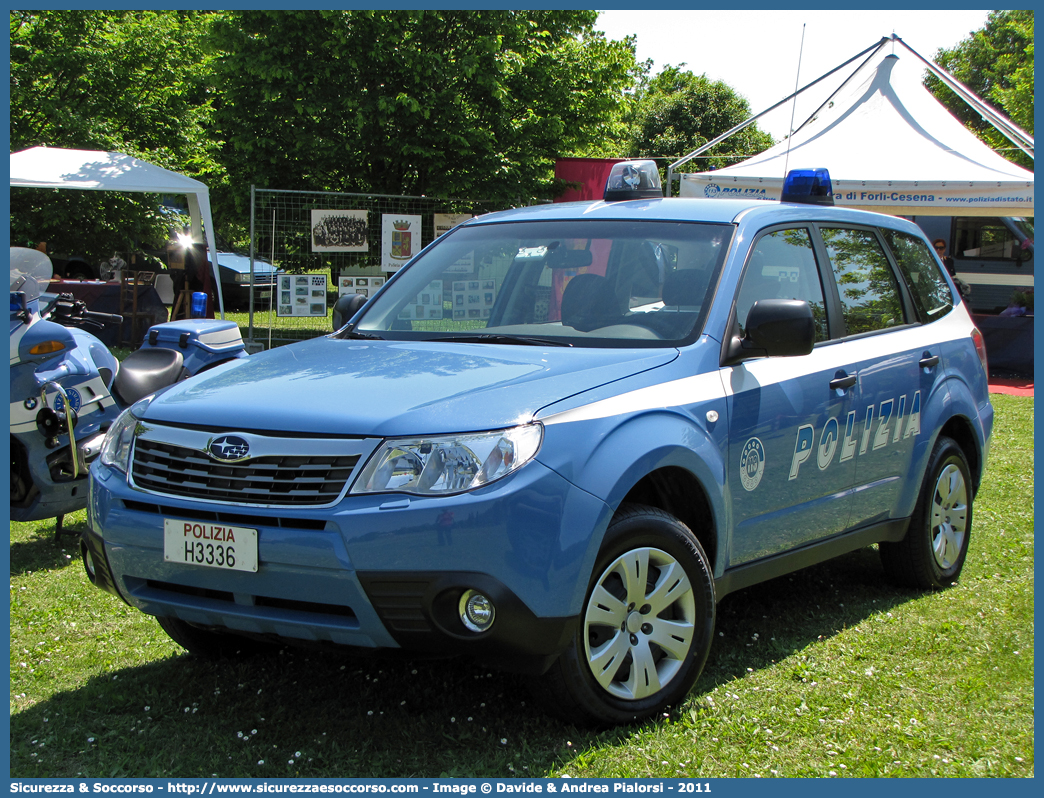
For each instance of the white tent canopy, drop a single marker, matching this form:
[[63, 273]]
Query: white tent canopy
[[890, 147], [53, 167]]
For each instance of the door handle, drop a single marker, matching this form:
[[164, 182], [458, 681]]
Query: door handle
[[843, 382], [929, 361]]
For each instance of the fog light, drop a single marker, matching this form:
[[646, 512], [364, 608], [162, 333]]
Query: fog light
[[476, 611]]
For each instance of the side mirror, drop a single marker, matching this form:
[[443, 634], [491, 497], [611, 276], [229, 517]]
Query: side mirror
[[346, 307], [775, 328]]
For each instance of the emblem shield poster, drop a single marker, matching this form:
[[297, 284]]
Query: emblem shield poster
[[400, 240]]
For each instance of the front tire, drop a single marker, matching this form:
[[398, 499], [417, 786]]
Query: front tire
[[932, 554], [646, 625]]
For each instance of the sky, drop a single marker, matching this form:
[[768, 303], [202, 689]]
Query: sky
[[756, 52]]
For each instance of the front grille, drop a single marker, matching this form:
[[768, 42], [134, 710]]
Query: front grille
[[227, 519], [286, 480]]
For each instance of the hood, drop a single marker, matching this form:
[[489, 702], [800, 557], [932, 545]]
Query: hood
[[387, 388], [240, 264]]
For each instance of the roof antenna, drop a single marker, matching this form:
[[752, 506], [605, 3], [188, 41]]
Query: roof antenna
[[793, 110]]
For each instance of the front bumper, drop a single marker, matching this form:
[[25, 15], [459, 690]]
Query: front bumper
[[240, 292], [378, 571]]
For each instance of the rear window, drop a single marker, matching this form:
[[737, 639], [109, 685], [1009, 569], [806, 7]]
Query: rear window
[[931, 293]]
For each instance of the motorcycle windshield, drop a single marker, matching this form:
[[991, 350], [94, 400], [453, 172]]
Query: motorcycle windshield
[[29, 269]]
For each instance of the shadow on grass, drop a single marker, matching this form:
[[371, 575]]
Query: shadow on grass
[[342, 713], [347, 715], [766, 623], [42, 551]]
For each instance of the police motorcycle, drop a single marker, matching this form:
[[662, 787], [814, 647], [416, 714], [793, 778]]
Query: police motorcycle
[[67, 388]]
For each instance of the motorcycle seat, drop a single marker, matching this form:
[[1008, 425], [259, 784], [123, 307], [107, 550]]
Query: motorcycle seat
[[145, 371]]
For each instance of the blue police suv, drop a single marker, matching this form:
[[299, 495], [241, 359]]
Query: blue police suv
[[558, 437]]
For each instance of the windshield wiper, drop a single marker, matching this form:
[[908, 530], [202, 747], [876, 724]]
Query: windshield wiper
[[499, 338], [361, 335]]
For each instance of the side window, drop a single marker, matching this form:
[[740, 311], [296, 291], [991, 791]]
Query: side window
[[869, 292], [931, 294], [782, 265], [983, 238]]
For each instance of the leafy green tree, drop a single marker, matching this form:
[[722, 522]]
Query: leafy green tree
[[676, 111], [996, 63], [129, 81], [442, 103]]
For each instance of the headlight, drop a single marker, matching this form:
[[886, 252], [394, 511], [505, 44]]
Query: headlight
[[448, 463], [243, 278], [116, 447]]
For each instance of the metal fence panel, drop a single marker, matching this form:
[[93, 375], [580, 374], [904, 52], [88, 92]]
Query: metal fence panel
[[282, 222]]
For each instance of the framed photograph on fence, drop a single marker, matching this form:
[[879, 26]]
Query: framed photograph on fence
[[340, 231], [444, 222]]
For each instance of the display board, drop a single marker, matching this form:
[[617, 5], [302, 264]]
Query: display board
[[367, 286], [473, 299], [428, 304], [301, 295]]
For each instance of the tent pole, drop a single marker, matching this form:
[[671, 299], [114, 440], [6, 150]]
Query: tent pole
[[685, 159], [1005, 126], [835, 92], [970, 97]]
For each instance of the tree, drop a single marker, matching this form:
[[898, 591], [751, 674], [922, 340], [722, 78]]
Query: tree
[[996, 63], [443, 103], [676, 111], [131, 81]]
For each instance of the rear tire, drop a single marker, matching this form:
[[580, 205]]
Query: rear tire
[[932, 554], [646, 625], [207, 644]]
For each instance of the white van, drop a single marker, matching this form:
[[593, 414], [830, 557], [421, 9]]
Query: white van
[[992, 254]]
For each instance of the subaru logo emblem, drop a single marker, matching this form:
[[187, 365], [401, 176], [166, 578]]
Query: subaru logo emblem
[[229, 448]]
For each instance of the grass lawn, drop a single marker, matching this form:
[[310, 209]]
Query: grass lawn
[[828, 672]]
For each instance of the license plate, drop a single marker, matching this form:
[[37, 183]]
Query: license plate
[[232, 548], [263, 294]]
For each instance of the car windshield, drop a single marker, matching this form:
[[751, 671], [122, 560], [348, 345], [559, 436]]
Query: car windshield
[[572, 283], [1025, 226]]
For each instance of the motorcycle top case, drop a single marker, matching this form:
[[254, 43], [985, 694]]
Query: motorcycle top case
[[201, 336]]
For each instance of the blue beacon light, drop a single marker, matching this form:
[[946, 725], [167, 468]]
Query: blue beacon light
[[808, 186]]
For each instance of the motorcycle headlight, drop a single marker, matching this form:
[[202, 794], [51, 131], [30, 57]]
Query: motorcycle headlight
[[446, 464], [116, 446]]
